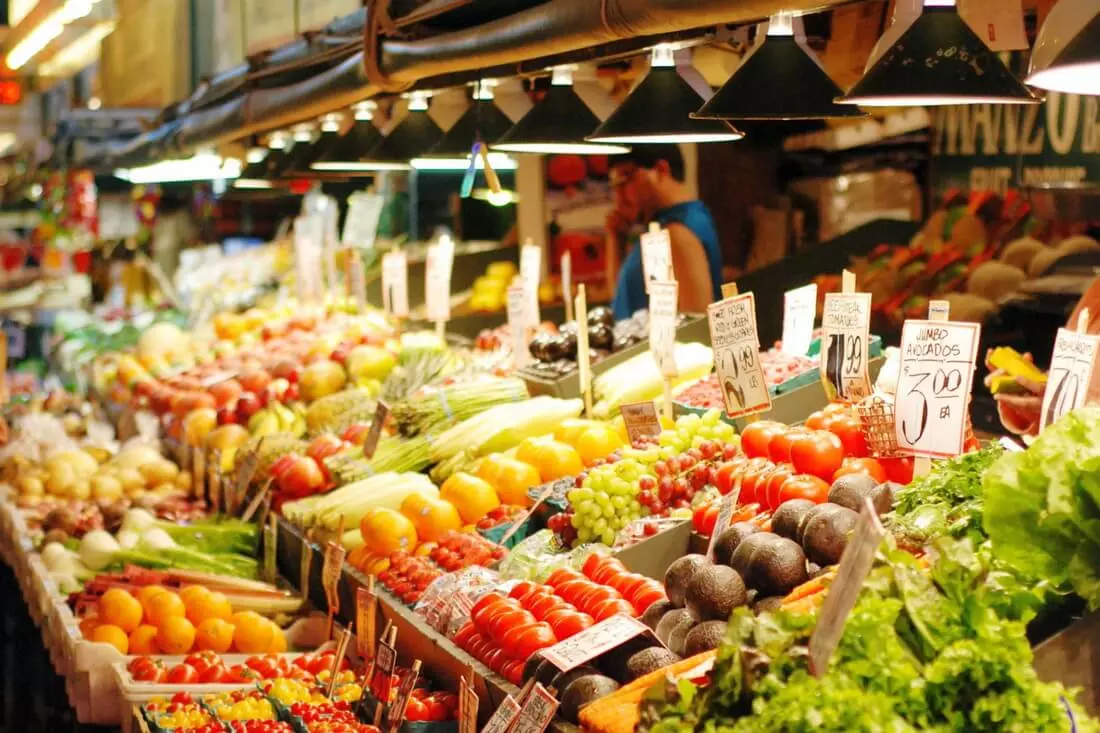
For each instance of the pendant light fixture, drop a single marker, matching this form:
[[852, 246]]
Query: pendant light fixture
[[482, 122], [659, 109], [557, 125], [254, 174], [780, 78], [937, 61], [413, 136], [347, 152], [308, 149], [1066, 55]]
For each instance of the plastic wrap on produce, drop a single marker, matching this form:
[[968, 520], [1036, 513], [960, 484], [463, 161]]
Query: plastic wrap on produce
[[446, 603], [644, 528], [541, 554]]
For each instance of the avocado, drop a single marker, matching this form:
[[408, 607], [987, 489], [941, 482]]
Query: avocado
[[582, 691], [563, 680], [789, 515], [649, 660], [613, 663], [679, 575], [714, 593], [810, 514], [882, 497], [655, 613], [826, 533], [538, 668], [726, 543], [673, 620], [704, 637], [851, 489], [771, 603], [813, 569], [742, 556], [778, 568]]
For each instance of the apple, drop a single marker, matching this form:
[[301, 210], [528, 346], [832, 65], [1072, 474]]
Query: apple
[[276, 391], [369, 362], [321, 379], [226, 393], [288, 370], [302, 478], [227, 415], [247, 406], [254, 380], [356, 433]]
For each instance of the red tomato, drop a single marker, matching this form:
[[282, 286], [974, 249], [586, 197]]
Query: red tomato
[[303, 478], [495, 658], [324, 446], [898, 470], [804, 486], [147, 669], [591, 563], [561, 575], [607, 609], [779, 448], [570, 589], [710, 518], [484, 601], [297, 673], [648, 596], [819, 453], [725, 476], [465, 634], [848, 428], [215, 673], [513, 672], [868, 466], [485, 622], [504, 623], [752, 481], [527, 640], [756, 437], [835, 407], [182, 674], [769, 497], [629, 584], [816, 421], [522, 589], [608, 570], [543, 605], [566, 623], [416, 710], [698, 518]]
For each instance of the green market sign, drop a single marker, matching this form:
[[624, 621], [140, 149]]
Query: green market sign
[[995, 147]]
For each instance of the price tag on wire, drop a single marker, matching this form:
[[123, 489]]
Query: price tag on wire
[[640, 420], [530, 269], [656, 247], [663, 296], [933, 393], [395, 283], [799, 313], [1071, 370], [519, 323], [845, 333], [361, 222], [593, 641], [736, 347]]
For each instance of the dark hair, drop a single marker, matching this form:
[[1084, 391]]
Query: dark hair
[[647, 155]]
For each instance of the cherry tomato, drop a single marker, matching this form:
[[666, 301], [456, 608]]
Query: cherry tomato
[[818, 453], [769, 497], [848, 428], [182, 674], [566, 623], [526, 640], [756, 437], [868, 466], [898, 470], [804, 486], [779, 447]]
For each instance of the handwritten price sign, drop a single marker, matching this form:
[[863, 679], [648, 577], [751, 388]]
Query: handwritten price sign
[[593, 641], [662, 325], [656, 255], [937, 370], [736, 347], [1071, 369], [846, 331], [395, 284], [799, 312]]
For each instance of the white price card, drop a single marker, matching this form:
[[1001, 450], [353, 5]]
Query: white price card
[[939, 310], [656, 255], [357, 279], [593, 641], [1071, 370], [530, 269], [503, 717], [395, 283], [855, 564], [737, 355], [519, 322], [537, 711], [567, 283], [437, 280], [361, 223], [937, 370], [308, 236], [799, 313], [662, 325], [1000, 23], [640, 420], [845, 332], [725, 513]]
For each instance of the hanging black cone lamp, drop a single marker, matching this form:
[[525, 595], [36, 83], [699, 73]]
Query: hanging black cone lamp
[[937, 61], [1066, 55], [557, 125], [483, 121], [659, 109], [415, 135], [348, 152], [253, 175], [779, 79], [307, 149]]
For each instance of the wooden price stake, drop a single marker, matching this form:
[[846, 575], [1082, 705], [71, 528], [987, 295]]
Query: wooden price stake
[[736, 345], [271, 544], [467, 703], [330, 578], [198, 473], [386, 662], [264, 494], [845, 333], [640, 420], [338, 660], [584, 368], [1071, 368], [370, 443], [662, 334], [656, 247], [537, 711], [799, 313], [305, 568], [242, 479], [369, 675], [855, 564], [567, 284], [397, 711], [366, 610]]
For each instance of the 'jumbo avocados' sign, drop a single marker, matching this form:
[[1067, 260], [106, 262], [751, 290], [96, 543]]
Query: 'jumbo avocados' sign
[[994, 147]]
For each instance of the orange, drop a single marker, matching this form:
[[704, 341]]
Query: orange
[[386, 530], [214, 634], [164, 606], [219, 607], [118, 608], [569, 430], [431, 518], [113, 635], [202, 604], [143, 640], [278, 642], [175, 635], [147, 593], [254, 634], [557, 460], [472, 496], [597, 443], [510, 478]]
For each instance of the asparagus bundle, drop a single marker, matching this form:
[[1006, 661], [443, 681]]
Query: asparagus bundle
[[440, 408]]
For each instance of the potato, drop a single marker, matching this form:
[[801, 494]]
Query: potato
[[30, 486], [131, 479], [165, 489], [81, 489], [61, 478], [183, 480], [106, 487], [159, 472]]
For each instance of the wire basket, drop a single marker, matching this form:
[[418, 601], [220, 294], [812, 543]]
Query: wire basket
[[876, 416]]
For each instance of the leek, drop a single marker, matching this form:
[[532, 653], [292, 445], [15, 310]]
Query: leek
[[638, 378], [504, 426]]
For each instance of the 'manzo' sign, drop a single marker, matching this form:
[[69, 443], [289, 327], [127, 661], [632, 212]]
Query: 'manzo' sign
[[994, 147]]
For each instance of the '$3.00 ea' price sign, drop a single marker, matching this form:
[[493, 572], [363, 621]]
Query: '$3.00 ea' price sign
[[737, 355], [845, 332], [1071, 369], [937, 369]]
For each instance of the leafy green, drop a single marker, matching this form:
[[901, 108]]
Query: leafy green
[[1041, 506], [216, 536]]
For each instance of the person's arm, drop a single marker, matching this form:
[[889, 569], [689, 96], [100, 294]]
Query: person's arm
[[1091, 300], [691, 269]]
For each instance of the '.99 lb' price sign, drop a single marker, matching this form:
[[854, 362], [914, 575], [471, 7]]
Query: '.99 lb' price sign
[[736, 347], [1071, 369], [845, 332], [937, 370]]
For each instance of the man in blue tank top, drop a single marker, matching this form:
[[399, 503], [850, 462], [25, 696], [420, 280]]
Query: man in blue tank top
[[649, 186]]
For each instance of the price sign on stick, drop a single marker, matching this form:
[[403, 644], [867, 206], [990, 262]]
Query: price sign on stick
[[567, 284], [370, 443], [593, 641], [467, 705], [584, 370], [503, 717], [404, 692], [799, 312], [437, 280], [656, 255], [305, 569], [246, 470], [330, 578], [395, 284], [845, 332], [271, 544], [937, 369], [537, 711], [1071, 369], [640, 420], [662, 326], [361, 223], [725, 513], [519, 323], [855, 564], [365, 615], [337, 660], [737, 355], [530, 269]]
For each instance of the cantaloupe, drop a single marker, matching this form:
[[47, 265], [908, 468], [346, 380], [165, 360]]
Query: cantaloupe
[[1043, 261], [968, 307], [1076, 245], [1020, 252], [995, 280]]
